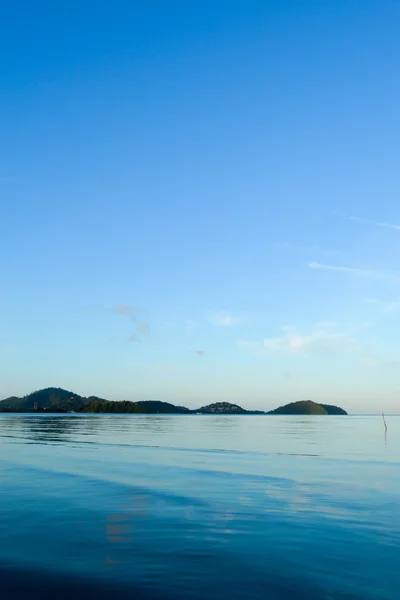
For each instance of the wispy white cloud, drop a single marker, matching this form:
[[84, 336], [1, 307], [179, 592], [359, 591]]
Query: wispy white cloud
[[222, 319], [143, 328], [124, 310], [322, 338], [130, 315], [354, 271], [375, 223]]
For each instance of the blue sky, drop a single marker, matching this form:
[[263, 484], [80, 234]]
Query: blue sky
[[199, 201]]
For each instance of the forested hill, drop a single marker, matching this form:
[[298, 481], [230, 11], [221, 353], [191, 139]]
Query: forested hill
[[307, 407], [51, 397]]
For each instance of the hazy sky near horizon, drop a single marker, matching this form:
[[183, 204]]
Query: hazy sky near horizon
[[199, 201]]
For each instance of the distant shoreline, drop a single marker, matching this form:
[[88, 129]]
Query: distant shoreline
[[120, 414], [58, 400]]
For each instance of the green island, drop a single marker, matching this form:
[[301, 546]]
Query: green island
[[57, 400]]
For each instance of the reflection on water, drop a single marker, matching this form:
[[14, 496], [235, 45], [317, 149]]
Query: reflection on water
[[199, 507], [50, 429]]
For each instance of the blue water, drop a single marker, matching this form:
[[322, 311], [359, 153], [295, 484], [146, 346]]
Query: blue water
[[210, 507]]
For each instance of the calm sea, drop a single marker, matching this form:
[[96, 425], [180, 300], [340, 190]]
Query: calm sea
[[199, 507]]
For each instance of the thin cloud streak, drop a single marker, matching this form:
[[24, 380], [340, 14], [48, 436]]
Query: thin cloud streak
[[376, 223], [323, 339], [354, 271], [222, 319]]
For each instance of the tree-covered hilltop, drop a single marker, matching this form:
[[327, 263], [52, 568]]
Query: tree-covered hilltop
[[157, 407], [221, 408], [307, 407], [144, 407], [122, 407], [226, 408], [51, 397]]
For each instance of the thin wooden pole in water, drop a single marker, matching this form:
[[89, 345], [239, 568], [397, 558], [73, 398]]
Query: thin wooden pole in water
[[384, 421]]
